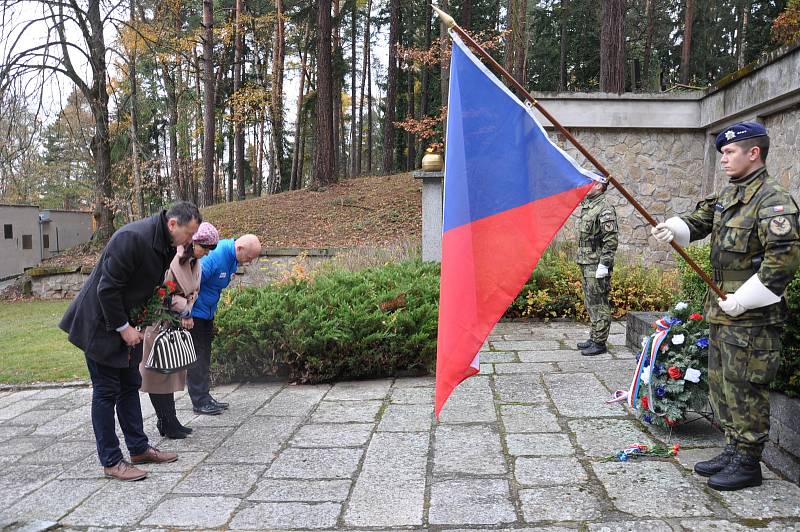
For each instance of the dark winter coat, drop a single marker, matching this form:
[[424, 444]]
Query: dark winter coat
[[128, 272]]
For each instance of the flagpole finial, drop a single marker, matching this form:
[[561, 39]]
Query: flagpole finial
[[444, 17]]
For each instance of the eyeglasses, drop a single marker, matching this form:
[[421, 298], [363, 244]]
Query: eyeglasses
[[211, 247]]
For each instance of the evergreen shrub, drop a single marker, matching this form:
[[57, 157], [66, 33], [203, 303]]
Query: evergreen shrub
[[554, 290], [336, 325], [694, 290]]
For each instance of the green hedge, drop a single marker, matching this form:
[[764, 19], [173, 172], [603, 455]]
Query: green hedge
[[340, 325], [694, 290], [554, 290]]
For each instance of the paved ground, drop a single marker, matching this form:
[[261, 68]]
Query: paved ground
[[519, 447]]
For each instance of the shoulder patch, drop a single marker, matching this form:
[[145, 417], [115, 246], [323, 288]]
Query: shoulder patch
[[780, 226]]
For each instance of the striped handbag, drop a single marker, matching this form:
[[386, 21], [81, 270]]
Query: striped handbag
[[172, 351]]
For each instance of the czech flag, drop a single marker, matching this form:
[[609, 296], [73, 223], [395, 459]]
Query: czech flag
[[507, 191]]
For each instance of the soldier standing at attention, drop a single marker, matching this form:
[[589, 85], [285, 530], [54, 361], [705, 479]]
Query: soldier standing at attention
[[597, 245], [755, 252]]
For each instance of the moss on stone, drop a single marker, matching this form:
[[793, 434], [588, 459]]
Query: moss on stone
[[44, 271]]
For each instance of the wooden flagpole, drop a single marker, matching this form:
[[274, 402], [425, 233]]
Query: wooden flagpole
[[448, 21]]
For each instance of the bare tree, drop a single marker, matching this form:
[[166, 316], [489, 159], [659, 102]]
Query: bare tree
[[55, 57]]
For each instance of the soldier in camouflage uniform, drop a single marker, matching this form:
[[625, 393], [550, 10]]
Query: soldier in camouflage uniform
[[597, 245], [755, 252]]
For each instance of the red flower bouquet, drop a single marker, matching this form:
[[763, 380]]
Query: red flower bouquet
[[157, 308]]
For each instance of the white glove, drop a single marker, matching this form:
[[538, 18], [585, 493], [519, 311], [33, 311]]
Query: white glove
[[672, 228], [602, 271], [731, 306], [752, 294]]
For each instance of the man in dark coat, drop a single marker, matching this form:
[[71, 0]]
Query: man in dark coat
[[98, 322]]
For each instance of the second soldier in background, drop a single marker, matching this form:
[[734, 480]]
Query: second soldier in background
[[597, 244]]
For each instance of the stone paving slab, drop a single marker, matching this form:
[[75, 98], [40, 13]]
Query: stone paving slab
[[468, 450], [473, 502], [677, 496], [520, 448], [390, 489], [193, 512]]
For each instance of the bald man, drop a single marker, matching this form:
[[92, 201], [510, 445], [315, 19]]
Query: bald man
[[219, 267]]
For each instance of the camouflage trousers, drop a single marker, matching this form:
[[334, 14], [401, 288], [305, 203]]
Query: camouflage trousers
[[742, 361], [595, 297]]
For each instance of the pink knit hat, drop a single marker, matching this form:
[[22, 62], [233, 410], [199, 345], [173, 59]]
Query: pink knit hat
[[206, 235]]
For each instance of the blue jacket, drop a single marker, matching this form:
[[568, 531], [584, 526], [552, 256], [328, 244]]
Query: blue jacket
[[218, 269]]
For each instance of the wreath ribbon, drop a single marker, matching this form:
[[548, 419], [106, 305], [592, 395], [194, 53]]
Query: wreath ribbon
[[650, 349]]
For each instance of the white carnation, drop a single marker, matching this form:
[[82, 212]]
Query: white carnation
[[681, 306], [678, 339]]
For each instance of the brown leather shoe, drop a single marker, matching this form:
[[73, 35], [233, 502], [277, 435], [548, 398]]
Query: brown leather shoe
[[154, 456], [124, 471]]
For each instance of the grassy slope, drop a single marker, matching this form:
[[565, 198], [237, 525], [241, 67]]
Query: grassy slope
[[33, 348]]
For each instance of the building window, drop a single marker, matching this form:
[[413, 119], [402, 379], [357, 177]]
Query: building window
[[46, 241], [8, 231], [27, 241]]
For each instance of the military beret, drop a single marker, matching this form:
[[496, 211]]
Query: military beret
[[740, 131]]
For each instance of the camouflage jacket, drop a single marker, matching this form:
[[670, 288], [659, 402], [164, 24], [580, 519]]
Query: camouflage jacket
[[754, 228], [598, 240]]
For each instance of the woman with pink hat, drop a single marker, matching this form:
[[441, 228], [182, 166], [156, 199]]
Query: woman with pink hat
[[185, 272]]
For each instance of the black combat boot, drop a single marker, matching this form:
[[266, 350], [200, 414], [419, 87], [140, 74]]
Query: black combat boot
[[596, 348], [743, 471], [716, 464], [584, 345]]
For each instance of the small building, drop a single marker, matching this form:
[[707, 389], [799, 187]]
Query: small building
[[31, 235]]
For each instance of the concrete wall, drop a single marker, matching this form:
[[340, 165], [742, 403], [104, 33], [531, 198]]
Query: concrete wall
[[24, 220], [65, 229]]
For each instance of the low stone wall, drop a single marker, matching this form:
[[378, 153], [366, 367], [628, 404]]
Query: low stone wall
[[57, 283], [782, 452], [273, 265]]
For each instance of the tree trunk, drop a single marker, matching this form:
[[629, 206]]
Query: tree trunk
[[369, 113], [209, 89], [425, 71], [686, 49], [612, 46], [97, 96], [324, 148], [134, 129], [741, 34], [391, 88], [353, 123], [295, 180], [336, 99], [466, 14], [278, 60], [411, 153], [238, 135], [516, 44], [648, 43], [562, 62], [172, 126]]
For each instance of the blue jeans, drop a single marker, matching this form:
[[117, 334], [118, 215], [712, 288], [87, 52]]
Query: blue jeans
[[116, 388]]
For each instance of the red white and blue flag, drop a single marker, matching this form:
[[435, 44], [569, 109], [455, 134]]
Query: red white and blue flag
[[507, 191]]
